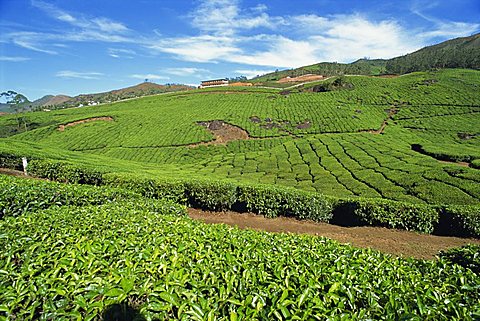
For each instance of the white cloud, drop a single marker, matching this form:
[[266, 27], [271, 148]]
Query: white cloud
[[206, 48], [121, 53], [186, 71], [149, 76], [224, 17], [252, 73], [31, 40], [101, 24], [80, 75], [13, 59]]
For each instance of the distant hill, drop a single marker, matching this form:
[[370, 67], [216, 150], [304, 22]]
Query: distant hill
[[455, 53], [51, 100], [17, 102], [143, 89], [359, 67]]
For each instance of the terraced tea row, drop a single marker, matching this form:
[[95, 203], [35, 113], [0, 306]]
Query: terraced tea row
[[170, 267]]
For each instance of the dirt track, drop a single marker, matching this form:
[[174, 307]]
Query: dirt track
[[396, 242], [62, 127]]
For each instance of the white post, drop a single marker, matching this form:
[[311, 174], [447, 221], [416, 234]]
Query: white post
[[25, 164]]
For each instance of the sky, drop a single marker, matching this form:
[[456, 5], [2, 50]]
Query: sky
[[87, 46]]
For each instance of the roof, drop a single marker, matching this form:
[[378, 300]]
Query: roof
[[223, 79]]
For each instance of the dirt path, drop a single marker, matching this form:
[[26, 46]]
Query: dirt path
[[88, 120], [396, 242]]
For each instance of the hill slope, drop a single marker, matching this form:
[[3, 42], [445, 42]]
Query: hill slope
[[143, 89], [360, 140], [455, 53]]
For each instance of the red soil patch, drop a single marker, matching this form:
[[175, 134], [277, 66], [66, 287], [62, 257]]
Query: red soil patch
[[463, 164], [303, 78], [396, 242], [222, 132], [88, 120]]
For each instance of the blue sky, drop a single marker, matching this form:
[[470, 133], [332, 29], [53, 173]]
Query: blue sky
[[85, 46]]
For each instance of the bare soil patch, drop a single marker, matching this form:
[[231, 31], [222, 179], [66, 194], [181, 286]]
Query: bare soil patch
[[303, 78], [11, 172], [395, 242], [88, 120], [223, 132]]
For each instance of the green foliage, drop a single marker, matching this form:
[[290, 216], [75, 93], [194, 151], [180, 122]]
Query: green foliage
[[273, 201], [211, 195], [64, 172], [415, 217], [467, 256], [456, 53], [172, 267], [20, 195], [157, 188], [460, 220]]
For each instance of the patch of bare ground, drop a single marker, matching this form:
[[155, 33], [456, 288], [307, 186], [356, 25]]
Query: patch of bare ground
[[463, 164], [88, 120], [11, 172], [303, 78], [223, 133], [391, 113], [395, 242]]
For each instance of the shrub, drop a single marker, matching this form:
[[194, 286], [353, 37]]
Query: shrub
[[460, 220], [153, 188], [20, 195], [64, 172], [211, 195], [391, 214], [273, 201], [467, 256]]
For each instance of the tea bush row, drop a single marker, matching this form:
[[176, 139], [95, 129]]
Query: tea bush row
[[144, 253]]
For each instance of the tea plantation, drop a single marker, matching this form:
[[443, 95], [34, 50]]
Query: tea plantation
[[398, 152]]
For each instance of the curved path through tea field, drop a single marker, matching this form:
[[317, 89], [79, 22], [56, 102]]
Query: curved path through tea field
[[396, 242]]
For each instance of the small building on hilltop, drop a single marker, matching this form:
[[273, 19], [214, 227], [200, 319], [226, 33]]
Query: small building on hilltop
[[214, 83]]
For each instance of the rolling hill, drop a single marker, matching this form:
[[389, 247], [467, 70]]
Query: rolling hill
[[355, 141], [455, 53]]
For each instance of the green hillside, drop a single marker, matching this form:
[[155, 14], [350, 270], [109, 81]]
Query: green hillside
[[455, 53], [380, 138], [400, 153]]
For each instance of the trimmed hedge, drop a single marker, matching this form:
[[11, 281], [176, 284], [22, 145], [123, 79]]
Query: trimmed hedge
[[467, 256], [64, 172], [273, 201], [20, 195], [385, 213], [460, 220]]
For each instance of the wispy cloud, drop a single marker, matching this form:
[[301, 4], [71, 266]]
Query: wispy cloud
[[121, 53], [186, 71], [250, 73], [149, 76], [441, 28], [78, 74], [225, 17], [101, 24], [226, 31], [13, 59], [82, 29]]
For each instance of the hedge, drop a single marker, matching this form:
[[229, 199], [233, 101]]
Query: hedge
[[273, 201], [459, 220], [20, 195], [64, 172]]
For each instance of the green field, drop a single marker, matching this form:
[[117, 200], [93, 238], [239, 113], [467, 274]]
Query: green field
[[72, 252], [400, 152], [336, 154]]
